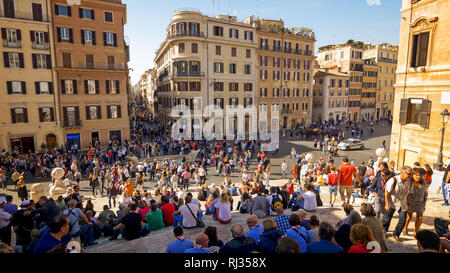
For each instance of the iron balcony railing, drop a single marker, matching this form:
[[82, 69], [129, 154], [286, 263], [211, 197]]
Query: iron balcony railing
[[71, 123], [186, 33]]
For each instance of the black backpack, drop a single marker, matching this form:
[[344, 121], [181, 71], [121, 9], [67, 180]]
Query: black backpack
[[318, 199], [276, 202]]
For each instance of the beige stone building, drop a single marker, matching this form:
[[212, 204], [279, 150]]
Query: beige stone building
[[330, 95], [91, 70], [422, 85], [285, 68], [385, 56], [346, 58], [369, 90], [29, 119], [205, 61]]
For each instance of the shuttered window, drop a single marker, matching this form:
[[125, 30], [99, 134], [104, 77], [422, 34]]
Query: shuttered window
[[415, 111], [420, 49]]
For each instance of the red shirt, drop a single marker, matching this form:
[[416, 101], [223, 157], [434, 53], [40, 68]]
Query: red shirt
[[167, 210], [290, 189], [333, 179], [143, 212], [358, 249], [346, 172]]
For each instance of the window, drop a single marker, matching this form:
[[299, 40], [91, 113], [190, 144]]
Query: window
[[218, 103], [112, 87], [110, 39], [90, 61], [218, 68], [68, 87], [233, 52], [87, 13], [111, 62], [12, 37], [93, 112], [248, 69], [16, 87], [218, 86], [415, 111], [275, 107], [13, 59], [41, 61], [234, 86], [88, 37], [248, 53], [43, 87], [108, 16], [232, 68], [276, 92], [181, 48], [420, 49], [276, 75], [249, 35], [263, 74], [8, 7], [287, 92], [63, 10], [46, 114], [218, 31], [263, 92], [194, 48], [19, 115], [263, 60], [39, 39], [218, 50], [67, 60], [234, 33], [195, 86], [248, 87], [91, 86], [64, 35]]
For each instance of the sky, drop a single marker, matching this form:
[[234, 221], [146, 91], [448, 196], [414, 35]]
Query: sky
[[333, 21]]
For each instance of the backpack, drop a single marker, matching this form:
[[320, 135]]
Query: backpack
[[318, 199], [276, 202]]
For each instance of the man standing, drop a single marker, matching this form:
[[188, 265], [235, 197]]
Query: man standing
[[396, 192], [346, 172], [284, 167]]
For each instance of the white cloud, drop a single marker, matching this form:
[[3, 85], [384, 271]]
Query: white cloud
[[373, 2]]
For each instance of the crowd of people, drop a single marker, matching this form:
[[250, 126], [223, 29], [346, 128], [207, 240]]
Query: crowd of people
[[48, 224]]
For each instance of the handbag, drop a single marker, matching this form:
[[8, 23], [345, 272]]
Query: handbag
[[200, 222]]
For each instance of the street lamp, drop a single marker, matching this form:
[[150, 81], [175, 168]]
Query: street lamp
[[445, 118]]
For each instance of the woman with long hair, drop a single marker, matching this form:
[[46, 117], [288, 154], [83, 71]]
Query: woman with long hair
[[223, 209], [214, 242], [417, 200], [370, 219], [428, 175]]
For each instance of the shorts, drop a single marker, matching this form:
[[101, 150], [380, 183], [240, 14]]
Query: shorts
[[333, 189], [346, 189]]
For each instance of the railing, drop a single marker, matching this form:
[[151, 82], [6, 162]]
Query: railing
[[287, 50], [264, 47], [71, 123], [298, 51], [308, 52], [277, 48], [40, 46], [187, 33], [100, 66], [22, 16], [188, 74], [16, 44], [286, 111], [387, 60]]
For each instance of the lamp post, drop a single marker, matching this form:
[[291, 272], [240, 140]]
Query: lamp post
[[445, 118]]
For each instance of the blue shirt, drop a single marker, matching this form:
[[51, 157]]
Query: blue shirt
[[324, 246], [196, 250], [300, 240], [48, 242], [10, 208], [282, 223], [255, 232], [179, 246]]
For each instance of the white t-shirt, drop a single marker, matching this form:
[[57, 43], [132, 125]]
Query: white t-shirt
[[224, 210], [284, 166], [188, 218], [310, 201]]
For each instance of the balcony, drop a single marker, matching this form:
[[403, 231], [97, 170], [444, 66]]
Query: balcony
[[286, 111], [43, 46], [71, 124], [277, 48], [100, 66], [298, 51], [187, 74], [386, 60], [184, 34], [15, 44], [23, 16], [308, 53], [264, 47], [287, 50]]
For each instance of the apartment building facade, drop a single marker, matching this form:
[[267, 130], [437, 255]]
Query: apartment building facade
[[285, 69], [206, 61], [28, 108], [346, 58], [91, 70], [330, 95], [422, 85], [385, 56], [369, 90]]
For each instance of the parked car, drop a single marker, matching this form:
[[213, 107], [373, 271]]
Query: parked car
[[350, 143]]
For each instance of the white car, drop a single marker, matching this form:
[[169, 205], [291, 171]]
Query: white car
[[350, 143]]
